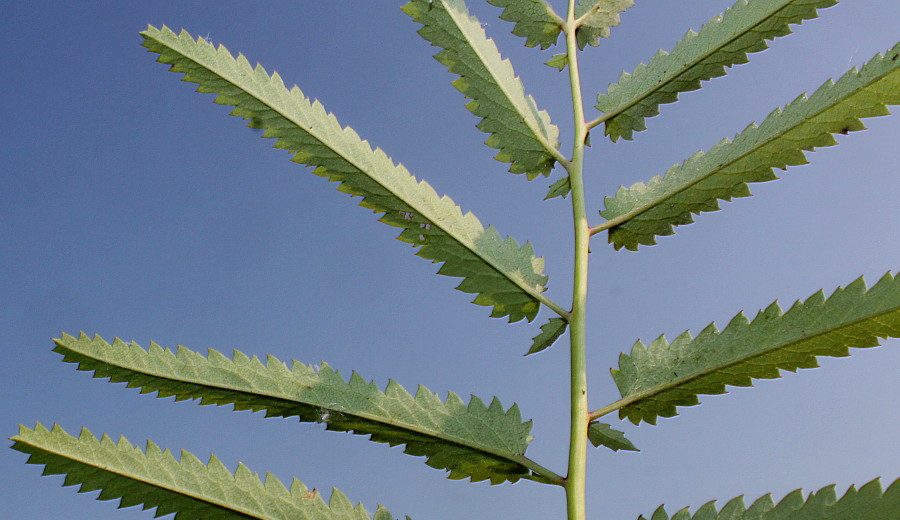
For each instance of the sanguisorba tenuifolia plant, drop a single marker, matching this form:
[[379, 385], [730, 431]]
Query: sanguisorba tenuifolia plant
[[481, 439]]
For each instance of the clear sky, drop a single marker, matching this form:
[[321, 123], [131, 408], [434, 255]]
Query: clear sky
[[131, 206]]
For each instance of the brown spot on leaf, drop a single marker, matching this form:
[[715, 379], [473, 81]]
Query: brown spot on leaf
[[844, 131], [312, 493]]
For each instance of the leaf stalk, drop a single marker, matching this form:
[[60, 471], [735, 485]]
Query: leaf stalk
[[575, 480]]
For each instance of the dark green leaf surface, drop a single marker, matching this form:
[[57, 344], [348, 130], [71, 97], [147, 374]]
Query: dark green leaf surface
[[646, 210], [550, 332], [723, 41], [655, 379], [524, 135], [866, 503], [561, 188], [471, 440], [503, 274], [535, 20], [602, 434], [154, 478]]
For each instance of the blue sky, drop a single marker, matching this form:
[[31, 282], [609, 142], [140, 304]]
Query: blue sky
[[131, 206]]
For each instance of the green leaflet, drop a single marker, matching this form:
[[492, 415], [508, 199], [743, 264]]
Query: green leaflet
[[154, 478], [503, 274], [550, 332], [602, 434], [868, 502], [597, 17], [654, 379], [470, 440], [535, 20], [524, 135], [561, 188], [723, 41], [639, 213]]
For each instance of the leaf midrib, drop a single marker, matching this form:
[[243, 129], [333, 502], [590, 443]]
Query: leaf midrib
[[311, 130], [632, 398], [527, 115], [122, 473], [685, 69], [759, 144], [513, 457]]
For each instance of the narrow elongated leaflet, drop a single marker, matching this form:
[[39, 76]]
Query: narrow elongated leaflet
[[505, 275], [524, 135], [153, 477], [725, 40], [644, 211], [471, 440], [657, 378]]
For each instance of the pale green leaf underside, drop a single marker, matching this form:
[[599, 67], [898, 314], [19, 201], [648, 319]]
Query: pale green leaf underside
[[867, 502], [598, 16], [535, 20], [524, 135], [723, 41], [645, 210], [186, 486], [655, 379], [550, 332], [471, 440], [503, 274], [602, 434]]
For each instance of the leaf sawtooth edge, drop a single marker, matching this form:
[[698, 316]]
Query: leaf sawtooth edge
[[869, 501], [657, 378], [638, 214], [471, 440], [723, 41], [523, 134], [154, 478], [503, 274], [535, 20]]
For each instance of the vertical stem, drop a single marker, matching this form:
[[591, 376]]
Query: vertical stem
[[579, 412]]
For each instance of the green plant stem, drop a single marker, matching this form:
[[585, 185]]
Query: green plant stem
[[575, 485]]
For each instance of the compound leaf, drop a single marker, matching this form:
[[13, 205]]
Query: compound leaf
[[655, 379], [503, 274], [645, 210], [524, 135], [867, 502], [535, 20], [602, 434], [471, 440], [550, 332], [597, 17], [155, 478], [723, 41]]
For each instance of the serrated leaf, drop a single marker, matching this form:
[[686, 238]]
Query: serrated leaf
[[602, 434], [471, 440], [550, 332], [155, 478], [535, 20], [722, 42], [597, 17], [558, 61], [503, 274], [560, 188], [643, 211], [655, 379], [868, 502], [524, 135]]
